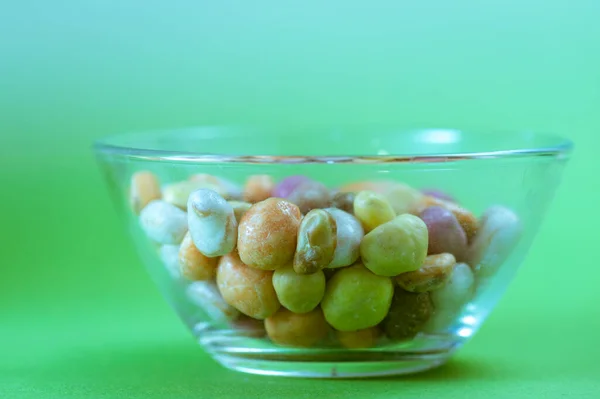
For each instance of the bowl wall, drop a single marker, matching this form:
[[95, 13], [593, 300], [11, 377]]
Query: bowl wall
[[522, 184]]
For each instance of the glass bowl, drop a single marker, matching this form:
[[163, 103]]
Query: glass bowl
[[332, 252]]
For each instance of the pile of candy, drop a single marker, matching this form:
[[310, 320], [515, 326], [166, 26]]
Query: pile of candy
[[366, 261]]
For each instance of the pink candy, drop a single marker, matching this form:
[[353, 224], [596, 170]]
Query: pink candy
[[288, 185]]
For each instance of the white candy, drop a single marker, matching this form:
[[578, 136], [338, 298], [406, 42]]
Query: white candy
[[499, 233], [169, 255], [212, 223], [206, 295], [349, 235], [449, 300], [163, 222]]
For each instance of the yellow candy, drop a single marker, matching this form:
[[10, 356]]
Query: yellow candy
[[395, 247], [372, 209]]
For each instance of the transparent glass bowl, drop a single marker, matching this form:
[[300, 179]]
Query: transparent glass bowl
[[499, 187]]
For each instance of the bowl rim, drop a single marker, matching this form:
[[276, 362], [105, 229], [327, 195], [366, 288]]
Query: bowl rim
[[561, 147]]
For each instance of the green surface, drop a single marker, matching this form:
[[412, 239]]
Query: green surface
[[79, 317]]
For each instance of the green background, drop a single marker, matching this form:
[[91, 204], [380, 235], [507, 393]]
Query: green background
[[78, 315]]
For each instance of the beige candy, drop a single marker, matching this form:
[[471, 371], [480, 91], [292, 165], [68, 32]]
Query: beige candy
[[498, 235], [449, 300], [193, 264], [144, 189], [206, 295], [247, 289], [212, 223], [258, 188], [239, 208], [349, 235], [372, 209], [433, 274], [227, 188], [169, 255], [163, 223], [291, 329], [179, 193], [267, 235], [317, 239], [403, 198]]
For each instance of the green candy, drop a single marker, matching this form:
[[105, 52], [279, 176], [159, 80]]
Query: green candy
[[356, 299], [299, 293], [395, 247]]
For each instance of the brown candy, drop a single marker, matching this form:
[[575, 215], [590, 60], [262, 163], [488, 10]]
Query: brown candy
[[344, 201], [408, 314], [432, 275]]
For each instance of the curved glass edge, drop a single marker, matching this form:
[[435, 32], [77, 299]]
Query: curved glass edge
[[561, 150]]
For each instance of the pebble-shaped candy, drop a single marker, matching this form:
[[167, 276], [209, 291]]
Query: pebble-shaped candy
[[179, 193], [367, 185], [212, 223], [317, 238], [258, 188], [445, 233], [465, 218], [451, 297], [292, 329], [267, 234], [285, 187], [349, 235], [365, 338], [247, 289], [408, 314], [356, 299], [344, 202], [144, 188], [193, 264], [395, 247], [169, 255], [249, 327], [403, 198], [439, 194], [432, 275], [499, 233], [299, 293], [310, 195], [239, 208], [228, 189], [206, 295], [372, 209], [163, 223]]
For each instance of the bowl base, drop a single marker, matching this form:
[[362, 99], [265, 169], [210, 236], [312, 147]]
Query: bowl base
[[258, 356], [340, 369]]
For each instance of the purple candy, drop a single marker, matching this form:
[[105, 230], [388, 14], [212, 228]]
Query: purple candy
[[445, 233], [438, 194], [285, 187]]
